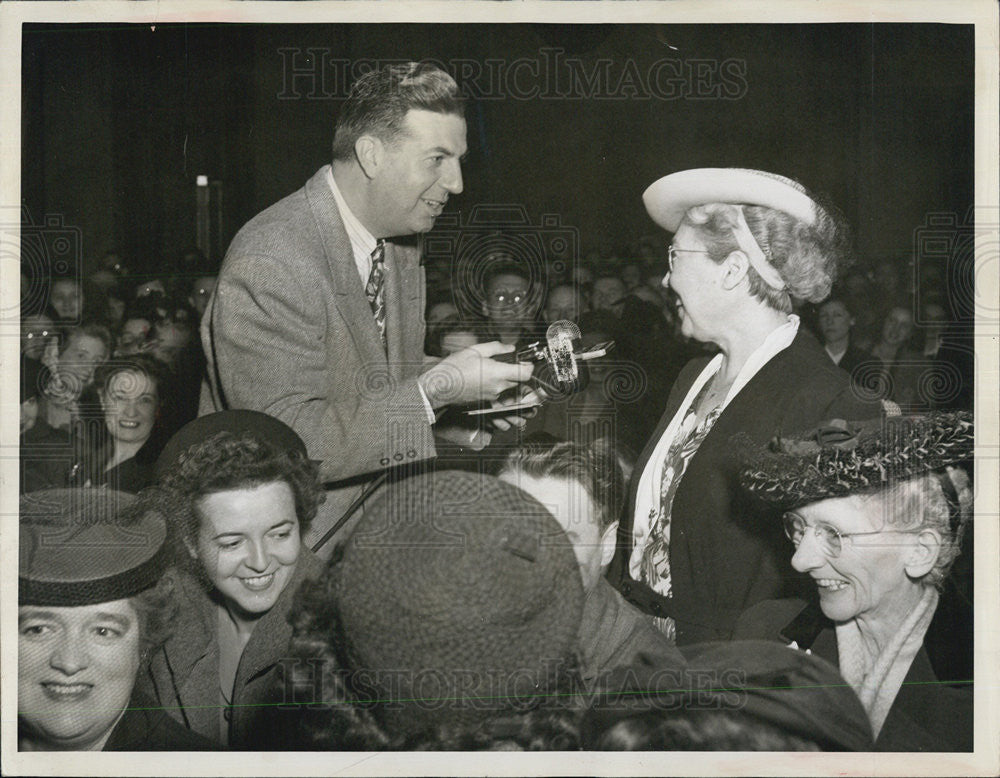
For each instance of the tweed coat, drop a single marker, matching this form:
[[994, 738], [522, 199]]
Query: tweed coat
[[289, 332], [726, 551], [182, 675]]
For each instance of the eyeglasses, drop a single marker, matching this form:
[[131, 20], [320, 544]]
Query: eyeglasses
[[673, 252], [831, 539], [508, 299]]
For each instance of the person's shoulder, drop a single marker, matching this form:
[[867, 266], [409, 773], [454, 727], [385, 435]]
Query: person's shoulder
[[766, 619]]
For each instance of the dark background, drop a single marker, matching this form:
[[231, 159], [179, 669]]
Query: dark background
[[118, 120]]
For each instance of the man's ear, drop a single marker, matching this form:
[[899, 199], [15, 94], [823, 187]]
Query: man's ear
[[609, 542], [923, 554], [369, 151], [737, 264]]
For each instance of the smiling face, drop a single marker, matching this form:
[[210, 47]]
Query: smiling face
[[81, 357], [868, 580], [413, 176], [694, 280], [898, 327], [607, 295], [248, 545], [75, 671], [130, 404]]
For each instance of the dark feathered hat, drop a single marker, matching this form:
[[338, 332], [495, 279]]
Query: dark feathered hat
[[839, 458]]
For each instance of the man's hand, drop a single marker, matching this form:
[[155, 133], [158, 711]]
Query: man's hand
[[470, 375]]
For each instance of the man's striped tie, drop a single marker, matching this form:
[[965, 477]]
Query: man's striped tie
[[375, 288]]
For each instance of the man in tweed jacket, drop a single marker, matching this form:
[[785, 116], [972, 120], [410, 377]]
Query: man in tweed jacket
[[290, 330]]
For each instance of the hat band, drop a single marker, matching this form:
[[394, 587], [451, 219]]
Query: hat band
[[73, 594], [749, 246]]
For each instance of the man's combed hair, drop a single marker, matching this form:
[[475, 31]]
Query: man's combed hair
[[380, 99], [594, 466]]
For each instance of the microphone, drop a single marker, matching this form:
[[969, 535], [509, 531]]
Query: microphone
[[560, 368]]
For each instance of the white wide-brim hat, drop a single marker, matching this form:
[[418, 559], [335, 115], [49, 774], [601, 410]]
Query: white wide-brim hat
[[669, 198]]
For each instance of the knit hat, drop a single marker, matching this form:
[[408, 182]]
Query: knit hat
[[265, 428], [87, 546], [839, 458], [459, 597], [759, 685]]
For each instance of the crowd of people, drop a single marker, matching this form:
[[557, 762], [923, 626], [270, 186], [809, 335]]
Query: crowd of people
[[367, 521]]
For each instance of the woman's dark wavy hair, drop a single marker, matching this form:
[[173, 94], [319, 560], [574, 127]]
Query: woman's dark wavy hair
[[343, 720], [226, 461]]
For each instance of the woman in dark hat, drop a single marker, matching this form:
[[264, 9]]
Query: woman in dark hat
[[876, 513], [241, 492], [746, 243], [92, 602], [450, 622]]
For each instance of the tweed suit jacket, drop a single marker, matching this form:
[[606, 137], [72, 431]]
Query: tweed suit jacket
[[727, 551], [289, 332]]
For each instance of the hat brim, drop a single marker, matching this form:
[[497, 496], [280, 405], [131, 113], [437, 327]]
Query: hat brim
[[669, 198]]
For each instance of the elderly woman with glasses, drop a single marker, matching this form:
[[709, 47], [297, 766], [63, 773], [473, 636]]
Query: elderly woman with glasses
[[876, 513], [692, 551]]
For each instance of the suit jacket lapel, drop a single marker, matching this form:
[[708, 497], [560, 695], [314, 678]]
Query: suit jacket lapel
[[349, 290]]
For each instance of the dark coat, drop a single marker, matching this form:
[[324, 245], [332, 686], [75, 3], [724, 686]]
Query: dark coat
[[183, 674], [928, 714], [145, 727], [613, 633], [46, 458], [726, 551]]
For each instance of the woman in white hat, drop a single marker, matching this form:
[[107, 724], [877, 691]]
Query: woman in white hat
[[745, 244]]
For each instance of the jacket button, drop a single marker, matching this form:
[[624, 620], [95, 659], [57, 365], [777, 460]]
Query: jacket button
[[384, 461], [398, 457], [411, 453], [626, 588]]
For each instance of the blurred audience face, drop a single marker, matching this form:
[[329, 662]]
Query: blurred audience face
[[835, 322], [130, 405], [898, 327], [149, 287], [578, 515], [507, 305], [248, 545], [66, 298], [81, 357], [563, 303], [75, 672], [36, 330], [631, 276], [607, 295], [582, 275], [170, 339], [456, 341], [201, 292], [133, 336], [440, 312], [29, 414], [103, 280]]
